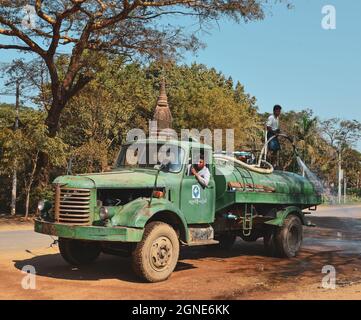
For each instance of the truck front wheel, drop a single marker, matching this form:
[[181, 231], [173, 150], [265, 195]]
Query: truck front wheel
[[156, 256], [78, 252]]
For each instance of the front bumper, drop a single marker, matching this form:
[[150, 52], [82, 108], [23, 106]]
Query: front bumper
[[95, 233]]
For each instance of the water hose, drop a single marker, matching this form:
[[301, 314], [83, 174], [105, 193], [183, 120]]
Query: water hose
[[254, 168], [264, 149]]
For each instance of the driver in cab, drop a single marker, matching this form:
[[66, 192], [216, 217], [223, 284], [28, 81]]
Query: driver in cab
[[201, 172]]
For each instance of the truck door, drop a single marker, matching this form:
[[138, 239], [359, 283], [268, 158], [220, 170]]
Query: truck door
[[197, 202]]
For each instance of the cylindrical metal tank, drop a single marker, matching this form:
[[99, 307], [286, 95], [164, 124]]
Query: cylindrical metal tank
[[271, 187]]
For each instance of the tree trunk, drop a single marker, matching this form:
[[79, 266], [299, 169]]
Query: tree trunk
[[27, 202], [31, 181], [43, 170], [52, 121], [43, 164], [13, 192], [16, 126]]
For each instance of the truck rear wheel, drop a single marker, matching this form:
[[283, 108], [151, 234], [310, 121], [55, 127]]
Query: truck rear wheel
[[284, 242], [156, 256], [78, 252], [289, 237]]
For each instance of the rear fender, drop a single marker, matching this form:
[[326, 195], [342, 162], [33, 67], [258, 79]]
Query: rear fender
[[283, 214]]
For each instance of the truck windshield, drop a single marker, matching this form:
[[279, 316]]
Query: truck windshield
[[147, 155]]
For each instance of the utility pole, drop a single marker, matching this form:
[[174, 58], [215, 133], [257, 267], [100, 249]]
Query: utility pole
[[340, 176], [345, 189], [16, 126]]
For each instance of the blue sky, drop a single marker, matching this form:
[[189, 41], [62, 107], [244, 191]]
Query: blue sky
[[288, 58]]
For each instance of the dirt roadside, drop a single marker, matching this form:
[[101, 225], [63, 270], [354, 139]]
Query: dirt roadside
[[9, 223]]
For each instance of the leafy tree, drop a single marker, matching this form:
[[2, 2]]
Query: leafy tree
[[96, 122], [306, 128], [123, 97], [86, 27], [204, 98], [22, 147], [341, 133]]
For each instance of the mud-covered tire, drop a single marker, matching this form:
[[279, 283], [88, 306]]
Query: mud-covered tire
[[156, 256], [78, 252], [289, 237], [226, 241]]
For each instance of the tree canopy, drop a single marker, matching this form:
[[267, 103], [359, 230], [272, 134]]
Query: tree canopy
[[84, 27], [123, 96]]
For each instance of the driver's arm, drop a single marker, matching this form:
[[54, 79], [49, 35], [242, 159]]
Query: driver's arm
[[204, 178]]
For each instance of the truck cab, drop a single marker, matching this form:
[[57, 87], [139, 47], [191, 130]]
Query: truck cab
[[150, 204]]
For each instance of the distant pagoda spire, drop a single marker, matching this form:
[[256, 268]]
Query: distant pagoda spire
[[163, 117], [162, 113]]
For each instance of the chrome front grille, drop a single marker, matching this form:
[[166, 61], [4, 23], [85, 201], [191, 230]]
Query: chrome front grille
[[72, 206]]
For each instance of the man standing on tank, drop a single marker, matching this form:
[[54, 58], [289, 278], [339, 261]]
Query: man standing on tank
[[273, 129]]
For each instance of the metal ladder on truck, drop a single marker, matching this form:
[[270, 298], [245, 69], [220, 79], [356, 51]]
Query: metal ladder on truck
[[247, 220], [248, 208]]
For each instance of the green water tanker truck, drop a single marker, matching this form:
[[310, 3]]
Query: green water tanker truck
[[148, 211]]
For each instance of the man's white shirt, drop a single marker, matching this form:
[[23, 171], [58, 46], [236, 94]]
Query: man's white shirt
[[273, 122], [204, 176]]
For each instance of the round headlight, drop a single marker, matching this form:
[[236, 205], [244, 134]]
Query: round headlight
[[104, 213], [41, 205]]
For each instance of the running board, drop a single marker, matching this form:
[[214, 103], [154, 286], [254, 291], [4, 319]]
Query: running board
[[202, 243]]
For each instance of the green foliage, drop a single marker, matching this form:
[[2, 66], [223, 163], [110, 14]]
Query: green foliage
[[203, 98], [20, 149], [123, 96]]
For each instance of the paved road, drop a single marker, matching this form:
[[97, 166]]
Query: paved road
[[202, 272], [20, 240]]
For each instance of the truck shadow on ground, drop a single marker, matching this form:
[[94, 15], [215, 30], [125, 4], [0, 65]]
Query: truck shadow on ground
[[106, 267], [112, 267]]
